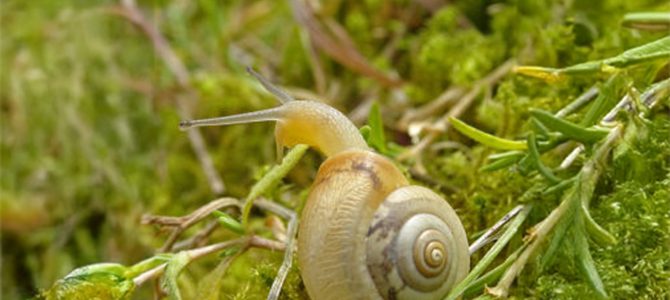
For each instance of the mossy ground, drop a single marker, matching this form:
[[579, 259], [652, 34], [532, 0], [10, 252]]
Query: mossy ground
[[90, 140]]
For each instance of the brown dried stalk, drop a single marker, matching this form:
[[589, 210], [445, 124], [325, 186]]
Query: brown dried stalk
[[245, 243], [184, 222], [180, 224], [442, 125], [540, 232], [289, 244], [197, 240], [431, 108], [333, 40], [132, 13]]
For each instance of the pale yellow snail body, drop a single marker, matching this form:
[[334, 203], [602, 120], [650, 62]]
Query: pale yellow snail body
[[365, 233]]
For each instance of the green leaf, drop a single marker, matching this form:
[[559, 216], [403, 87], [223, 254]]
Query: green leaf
[[272, 178], [658, 49], [539, 127], [507, 154], [492, 275], [598, 233], [169, 282], [485, 138], [97, 281], [109, 268], [561, 186], [491, 254], [567, 128], [376, 138], [585, 261], [147, 264], [647, 20], [526, 164], [608, 97], [365, 132], [228, 222], [209, 287], [574, 196], [502, 161], [535, 157], [651, 51]]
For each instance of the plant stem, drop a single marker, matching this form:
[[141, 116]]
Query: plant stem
[[585, 185], [491, 254], [197, 253], [443, 124], [485, 238], [582, 100], [271, 178], [289, 245]]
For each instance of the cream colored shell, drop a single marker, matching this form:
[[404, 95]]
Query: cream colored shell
[[341, 254], [417, 247], [364, 232]]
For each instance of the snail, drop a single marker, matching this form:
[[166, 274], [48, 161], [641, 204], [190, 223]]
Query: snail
[[365, 232]]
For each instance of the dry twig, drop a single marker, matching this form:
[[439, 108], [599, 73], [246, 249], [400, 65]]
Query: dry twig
[[442, 125], [197, 240], [290, 241], [336, 43], [436, 106], [132, 13], [184, 222], [244, 242], [180, 224]]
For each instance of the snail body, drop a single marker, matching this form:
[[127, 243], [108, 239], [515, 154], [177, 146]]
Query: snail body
[[364, 233]]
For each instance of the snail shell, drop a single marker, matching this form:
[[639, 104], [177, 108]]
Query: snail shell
[[366, 234], [416, 246]]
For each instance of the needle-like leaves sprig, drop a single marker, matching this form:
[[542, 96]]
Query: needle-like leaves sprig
[[571, 222], [656, 50]]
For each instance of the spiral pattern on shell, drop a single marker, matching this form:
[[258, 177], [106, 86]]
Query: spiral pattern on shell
[[366, 234], [416, 246]]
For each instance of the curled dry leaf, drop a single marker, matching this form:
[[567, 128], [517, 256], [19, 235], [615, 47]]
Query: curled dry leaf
[[332, 39]]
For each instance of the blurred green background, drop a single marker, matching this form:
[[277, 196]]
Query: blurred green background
[[89, 121]]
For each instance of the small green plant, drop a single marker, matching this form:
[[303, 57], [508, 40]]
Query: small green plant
[[554, 110], [570, 226]]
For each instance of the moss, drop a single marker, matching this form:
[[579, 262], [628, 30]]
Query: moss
[[89, 136], [441, 59], [635, 212], [638, 266]]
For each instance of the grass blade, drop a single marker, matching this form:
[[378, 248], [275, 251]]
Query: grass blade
[[271, 179], [585, 261], [607, 98], [569, 129], [561, 186], [485, 138], [491, 254], [502, 162], [169, 281], [647, 20], [376, 136], [228, 222], [598, 233], [535, 156], [648, 52]]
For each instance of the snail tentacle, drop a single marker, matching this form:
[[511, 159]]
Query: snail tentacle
[[364, 232]]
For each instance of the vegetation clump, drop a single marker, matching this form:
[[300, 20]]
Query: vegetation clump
[[557, 111]]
